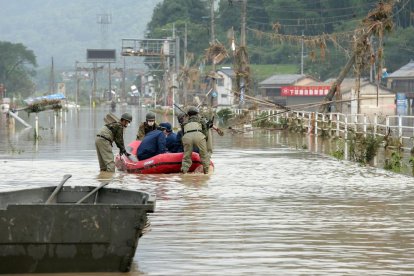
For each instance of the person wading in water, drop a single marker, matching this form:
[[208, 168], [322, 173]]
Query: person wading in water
[[111, 132]]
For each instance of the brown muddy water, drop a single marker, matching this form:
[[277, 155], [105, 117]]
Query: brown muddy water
[[268, 209]]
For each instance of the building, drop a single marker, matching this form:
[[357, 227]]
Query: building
[[373, 99], [284, 89], [225, 82], [402, 81]]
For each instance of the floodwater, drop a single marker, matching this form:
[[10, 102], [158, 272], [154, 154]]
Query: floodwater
[[267, 209]]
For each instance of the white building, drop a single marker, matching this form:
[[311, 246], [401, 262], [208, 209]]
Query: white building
[[225, 96], [373, 99]]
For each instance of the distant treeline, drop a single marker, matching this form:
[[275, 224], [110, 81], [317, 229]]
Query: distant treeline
[[286, 17]]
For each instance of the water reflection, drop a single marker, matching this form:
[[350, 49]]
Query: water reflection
[[267, 209]]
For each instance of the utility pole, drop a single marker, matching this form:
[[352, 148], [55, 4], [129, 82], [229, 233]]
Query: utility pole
[[52, 79], [243, 46], [123, 82], [243, 24], [94, 70], [110, 80], [185, 65], [213, 35], [301, 56], [213, 41], [77, 84], [185, 44]]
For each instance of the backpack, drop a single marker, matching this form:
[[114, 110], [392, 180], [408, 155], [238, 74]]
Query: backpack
[[110, 118]]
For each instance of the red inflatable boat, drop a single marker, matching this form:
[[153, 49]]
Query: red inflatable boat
[[161, 163]]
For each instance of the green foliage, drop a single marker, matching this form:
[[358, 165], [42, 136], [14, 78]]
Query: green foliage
[[16, 68], [398, 46], [394, 163], [329, 67], [224, 115], [339, 153], [363, 149], [325, 129], [283, 123], [170, 11], [263, 120], [60, 29], [180, 12], [296, 125], [411, 162]]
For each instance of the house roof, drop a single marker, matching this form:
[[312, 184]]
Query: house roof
[[282, 79], [407, 71], [228, 71], [349, 83], [346, 84]]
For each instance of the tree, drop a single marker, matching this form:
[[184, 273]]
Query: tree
[[16, 68], [182, 12], [398, 48], [170, 11]]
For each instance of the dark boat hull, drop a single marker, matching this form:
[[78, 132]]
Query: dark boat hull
[[66, 237]]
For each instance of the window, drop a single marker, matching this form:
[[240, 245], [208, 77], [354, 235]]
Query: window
[[220, 82]]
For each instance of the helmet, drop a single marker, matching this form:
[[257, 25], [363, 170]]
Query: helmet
[[127, 117], [150, 116], [181, 118], [167, 126], [192, 110]]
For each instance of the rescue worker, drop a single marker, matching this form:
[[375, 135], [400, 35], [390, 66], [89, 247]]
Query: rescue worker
[[111, 132], [195, 134], [147, 126], [154, 143], [178, 144], [171, 136]]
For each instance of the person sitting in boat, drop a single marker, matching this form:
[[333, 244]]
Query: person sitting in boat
[[147, 126], [154, 143], [195, 133], [171, 136], [111, 132]]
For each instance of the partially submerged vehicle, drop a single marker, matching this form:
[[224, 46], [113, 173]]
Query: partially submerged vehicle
[[71, 229], [159, 164]]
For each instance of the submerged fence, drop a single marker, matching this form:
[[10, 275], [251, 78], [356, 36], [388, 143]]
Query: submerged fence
[[399, 127]]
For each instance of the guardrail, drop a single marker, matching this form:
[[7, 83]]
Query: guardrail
[[399, 127]]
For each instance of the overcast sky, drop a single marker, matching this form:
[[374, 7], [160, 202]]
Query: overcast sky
[[65, 29]]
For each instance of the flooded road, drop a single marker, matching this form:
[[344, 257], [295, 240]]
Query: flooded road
[[266, 210]]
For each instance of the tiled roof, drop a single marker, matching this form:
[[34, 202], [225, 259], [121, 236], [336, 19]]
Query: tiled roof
[[404, 72], [282, 79]]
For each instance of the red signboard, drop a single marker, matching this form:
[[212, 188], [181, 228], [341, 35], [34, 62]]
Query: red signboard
[[305, 91]]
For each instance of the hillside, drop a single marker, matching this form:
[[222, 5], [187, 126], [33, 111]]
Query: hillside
[[65, 29]]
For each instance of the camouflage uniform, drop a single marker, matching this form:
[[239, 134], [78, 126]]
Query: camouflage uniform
[[195, 133], [144, 128], [112, 132], [209, 137]]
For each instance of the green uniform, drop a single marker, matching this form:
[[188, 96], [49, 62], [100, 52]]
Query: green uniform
[[113, 132], [195, 133], [144, 128]]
